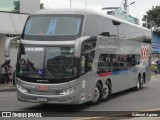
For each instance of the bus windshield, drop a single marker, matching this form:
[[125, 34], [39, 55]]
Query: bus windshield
[[52, 26], [46, 62]]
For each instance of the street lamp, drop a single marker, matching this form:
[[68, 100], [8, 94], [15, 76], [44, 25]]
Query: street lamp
[[132, 3], [129, 5]]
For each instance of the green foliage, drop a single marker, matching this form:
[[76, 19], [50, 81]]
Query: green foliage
[[153, 67], [41, 6], [16, 6], [153, 18]]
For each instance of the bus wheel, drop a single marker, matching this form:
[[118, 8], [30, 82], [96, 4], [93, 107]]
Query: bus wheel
[[97, 94], [14, 78], [143, 80], [106, 91], [138, 84]]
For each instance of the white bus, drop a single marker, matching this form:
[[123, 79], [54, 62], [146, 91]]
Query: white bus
[[73, 56]]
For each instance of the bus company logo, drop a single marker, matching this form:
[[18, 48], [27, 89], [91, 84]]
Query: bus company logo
[[42, 88], [144, 51]]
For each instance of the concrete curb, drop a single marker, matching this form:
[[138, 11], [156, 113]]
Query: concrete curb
[[7, 87]]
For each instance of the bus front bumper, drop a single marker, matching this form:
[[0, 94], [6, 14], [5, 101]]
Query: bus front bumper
[[71, 98]]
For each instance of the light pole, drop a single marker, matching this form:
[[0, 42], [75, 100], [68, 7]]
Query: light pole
[[126, 6], [70, 3]]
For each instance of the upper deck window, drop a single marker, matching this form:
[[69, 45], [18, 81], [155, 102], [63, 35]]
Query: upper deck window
[[52, 26]]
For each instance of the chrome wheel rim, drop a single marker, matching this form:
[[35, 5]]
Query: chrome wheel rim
[[105, 91], [96, 94], [138, 84]]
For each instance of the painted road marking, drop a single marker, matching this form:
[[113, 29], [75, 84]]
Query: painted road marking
[[89, 118]]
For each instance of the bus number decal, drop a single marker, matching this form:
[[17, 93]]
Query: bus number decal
[[144, 50], [83, 84], [42, 88]]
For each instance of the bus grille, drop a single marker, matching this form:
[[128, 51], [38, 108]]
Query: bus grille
[[43, 92]]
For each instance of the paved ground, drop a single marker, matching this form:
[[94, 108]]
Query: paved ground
[[9, 87]]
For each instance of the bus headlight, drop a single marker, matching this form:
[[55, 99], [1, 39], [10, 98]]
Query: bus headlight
[[67, 91], [22, 89]]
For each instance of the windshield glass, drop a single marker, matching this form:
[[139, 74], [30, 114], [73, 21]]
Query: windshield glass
[[53, 26], [46, 62]]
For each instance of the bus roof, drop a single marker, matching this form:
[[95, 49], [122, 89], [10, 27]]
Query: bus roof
[[85, 12]]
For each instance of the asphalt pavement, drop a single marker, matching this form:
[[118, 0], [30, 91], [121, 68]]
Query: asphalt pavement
[[9, 87]]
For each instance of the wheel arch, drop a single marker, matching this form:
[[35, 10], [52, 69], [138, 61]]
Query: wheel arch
[[109, 80], [100, 82], [139, 75]]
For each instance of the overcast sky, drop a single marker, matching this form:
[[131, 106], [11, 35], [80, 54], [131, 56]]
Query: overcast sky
[[138, 9]]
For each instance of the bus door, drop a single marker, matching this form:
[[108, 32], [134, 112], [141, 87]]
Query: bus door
[[134, 61], [88, 78]]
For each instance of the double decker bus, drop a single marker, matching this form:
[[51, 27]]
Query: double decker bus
[[73, 56]]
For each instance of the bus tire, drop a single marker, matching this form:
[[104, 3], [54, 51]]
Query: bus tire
[[106, 91], [14, 78], [97, 94], [143, 80], [138, 84]]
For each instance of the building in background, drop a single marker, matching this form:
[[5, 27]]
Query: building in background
[[13, 14], [155, 43], [155, 47], [122, 12], [123, 15], [29, 6]]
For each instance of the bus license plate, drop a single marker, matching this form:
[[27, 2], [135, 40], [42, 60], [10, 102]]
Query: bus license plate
[[42, 99]]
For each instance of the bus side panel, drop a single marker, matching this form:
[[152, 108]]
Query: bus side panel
[[106, 25], [90, 26], [129, 59], [87, 84]]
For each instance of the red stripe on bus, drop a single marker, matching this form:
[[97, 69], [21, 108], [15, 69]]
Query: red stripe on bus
[[104, 74]]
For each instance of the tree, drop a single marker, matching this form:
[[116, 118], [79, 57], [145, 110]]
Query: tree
[[41, 6], [152, 18], [16, 6]]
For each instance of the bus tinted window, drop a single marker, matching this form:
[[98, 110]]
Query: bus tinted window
[[50, 26], [53, 25], [112, 62]]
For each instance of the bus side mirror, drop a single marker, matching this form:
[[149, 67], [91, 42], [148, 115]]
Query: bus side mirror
[[8, 44], [106, 34]]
